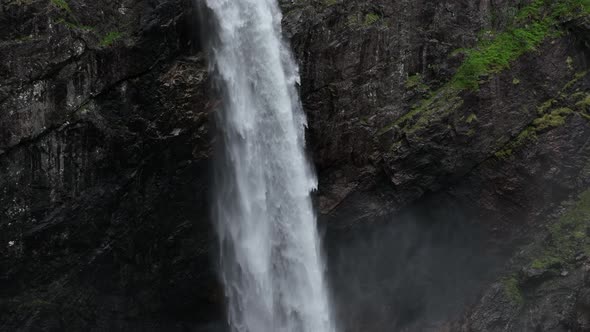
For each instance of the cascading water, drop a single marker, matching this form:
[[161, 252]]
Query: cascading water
[[270, 254]]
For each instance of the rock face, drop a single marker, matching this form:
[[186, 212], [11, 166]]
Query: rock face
[[104, 161], [447, 202]]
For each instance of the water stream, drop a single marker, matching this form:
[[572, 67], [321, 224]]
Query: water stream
[[271, 262]]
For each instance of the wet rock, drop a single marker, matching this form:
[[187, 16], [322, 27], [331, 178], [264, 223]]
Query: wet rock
[[105, 146]]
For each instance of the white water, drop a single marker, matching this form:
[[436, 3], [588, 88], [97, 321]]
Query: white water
[[271, 263]]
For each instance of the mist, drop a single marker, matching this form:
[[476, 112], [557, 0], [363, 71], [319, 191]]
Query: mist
[[412, 271]]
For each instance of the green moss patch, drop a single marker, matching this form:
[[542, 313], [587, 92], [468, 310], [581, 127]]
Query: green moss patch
[[549, 116], [442, 102], [493, 54], [568, 237], [358, 21], [584, 104], [371, 18], [512, 289], [537, 22], [110, 38], [62, 4], [72, 25], [471, 117], [416, 82], [550, 120]]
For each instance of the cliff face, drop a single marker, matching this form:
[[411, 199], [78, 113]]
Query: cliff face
[[475, 112], [104, 167], [454, 132]]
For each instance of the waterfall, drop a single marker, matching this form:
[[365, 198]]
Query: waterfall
[[271, 262]]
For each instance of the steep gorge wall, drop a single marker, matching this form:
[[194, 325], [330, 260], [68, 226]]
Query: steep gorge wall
[[104, 167], [396, 115], [105, 144]]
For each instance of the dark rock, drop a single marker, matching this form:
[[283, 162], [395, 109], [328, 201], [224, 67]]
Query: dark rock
[[104, 166]]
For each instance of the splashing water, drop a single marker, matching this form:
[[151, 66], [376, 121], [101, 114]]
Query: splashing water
[[271, 263]]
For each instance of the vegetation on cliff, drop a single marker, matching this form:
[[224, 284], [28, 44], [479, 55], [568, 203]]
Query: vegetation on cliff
[[532, 25], [566, 244]]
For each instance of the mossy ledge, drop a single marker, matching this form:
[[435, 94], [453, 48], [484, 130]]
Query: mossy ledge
[[550, 115], [567, 238], [533, 24]]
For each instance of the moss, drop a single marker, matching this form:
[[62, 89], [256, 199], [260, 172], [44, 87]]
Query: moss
[[497, 55], [442, 102], [415, 82], [567, 237], [352, 21], [551, 120], [24, 38], [560, 9], [576, 78], [537, 22], [512, 289], [546, 262], [548, 117], [110, 38], [503, 154], [356, 21], [584, 104], [570, 63], [545, 106], [62, 4], [493, 54], [471, 117], [371, 18], [71, 25]]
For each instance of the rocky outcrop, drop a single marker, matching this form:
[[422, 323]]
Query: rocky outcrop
[[450, 138]]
